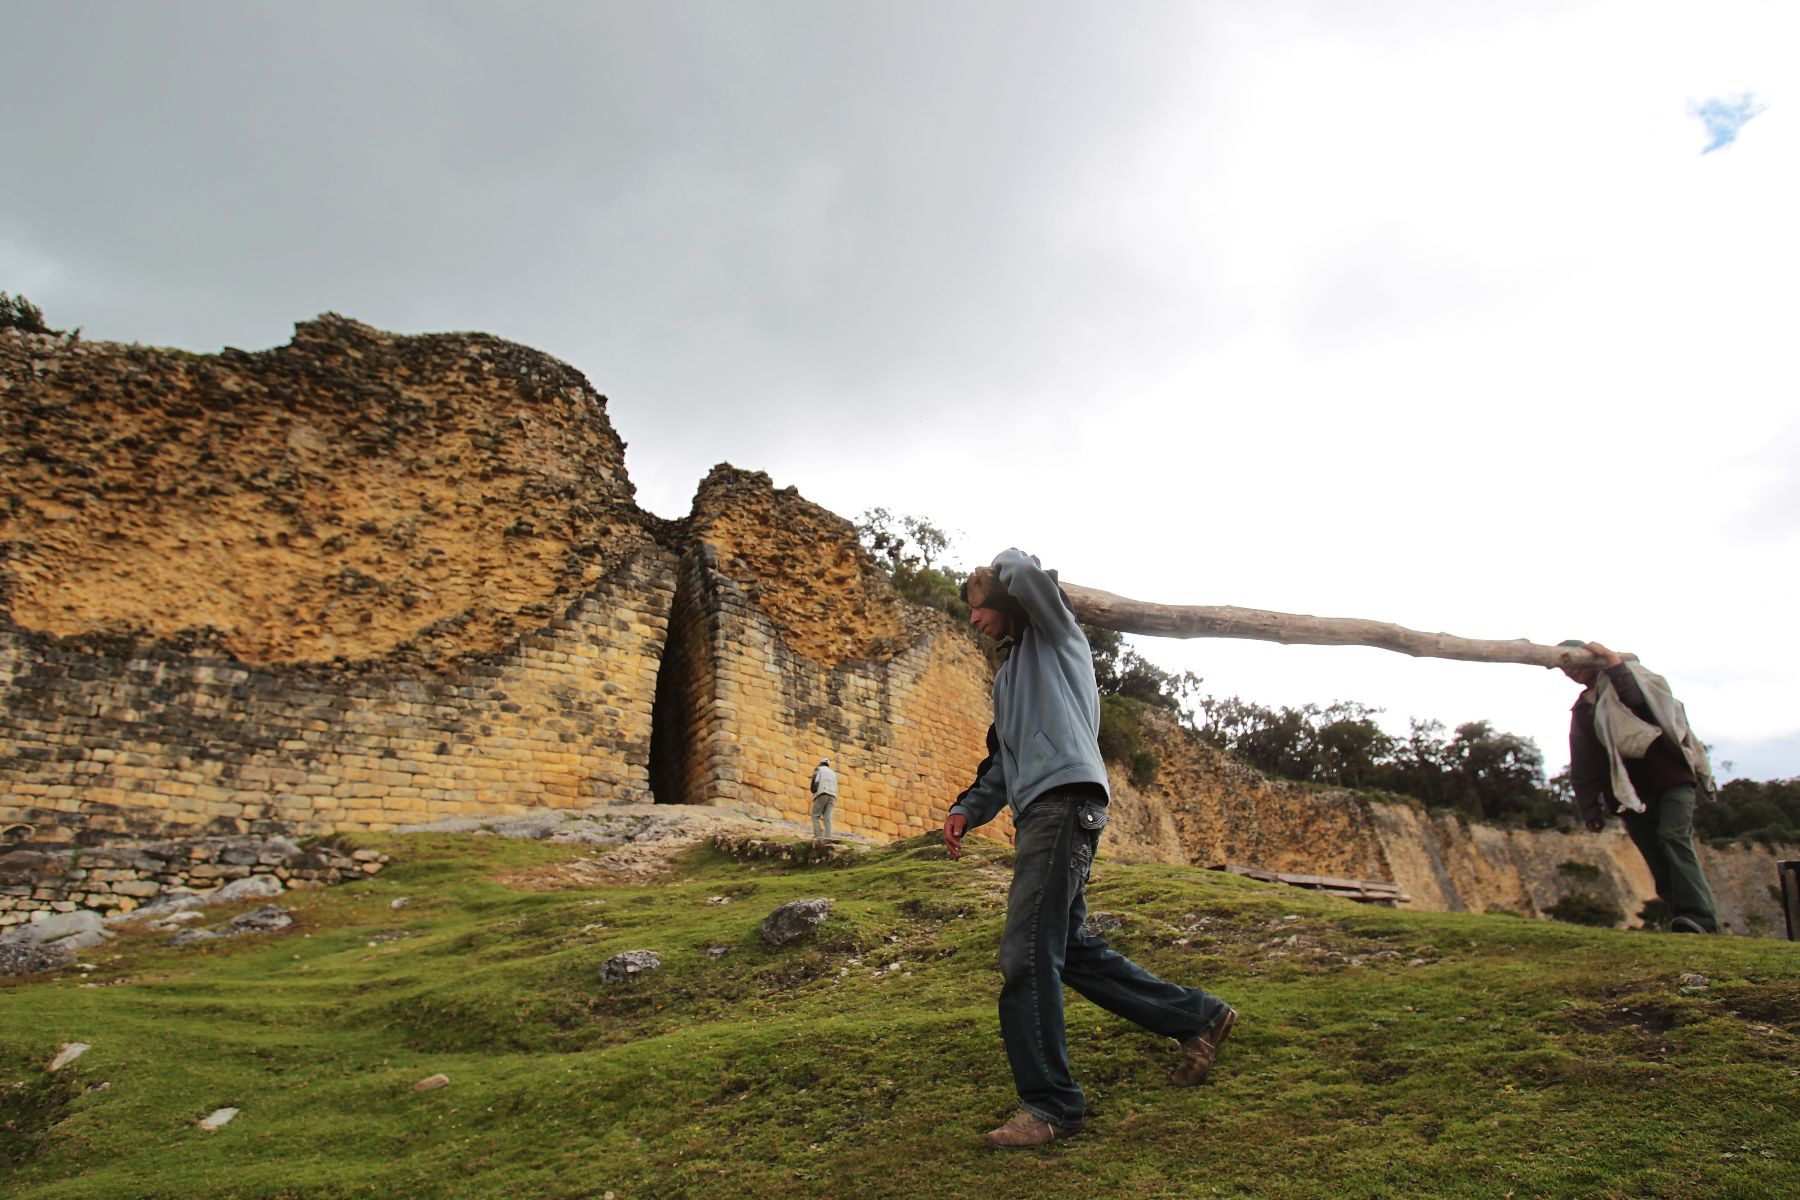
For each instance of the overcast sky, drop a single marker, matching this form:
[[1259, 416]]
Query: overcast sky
[[1474, 317]]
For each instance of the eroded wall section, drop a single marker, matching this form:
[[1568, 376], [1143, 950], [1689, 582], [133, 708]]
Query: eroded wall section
[[359, 580], [792, 647]]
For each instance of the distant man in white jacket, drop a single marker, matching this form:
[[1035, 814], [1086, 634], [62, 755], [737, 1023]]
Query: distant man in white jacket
[[824, 796]]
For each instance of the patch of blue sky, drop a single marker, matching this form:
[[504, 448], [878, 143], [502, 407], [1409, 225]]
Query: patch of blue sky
[[1724, 117]]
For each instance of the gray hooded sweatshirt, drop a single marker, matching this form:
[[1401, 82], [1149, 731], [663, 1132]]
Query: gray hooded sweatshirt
[[1046, 731]]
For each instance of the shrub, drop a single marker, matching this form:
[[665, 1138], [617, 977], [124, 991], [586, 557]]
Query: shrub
[[934, 587], [1143, 768], [1585, 908], [1579, 870], [16, 312], [1120, 738]]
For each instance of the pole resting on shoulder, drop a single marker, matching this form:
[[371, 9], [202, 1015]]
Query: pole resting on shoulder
[[1107, 611]]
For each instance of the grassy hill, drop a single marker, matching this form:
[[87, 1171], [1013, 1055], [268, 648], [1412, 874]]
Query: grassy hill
[[1380, 1053]]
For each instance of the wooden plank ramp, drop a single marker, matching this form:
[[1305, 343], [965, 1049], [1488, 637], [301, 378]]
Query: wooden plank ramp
[[1365, 891]]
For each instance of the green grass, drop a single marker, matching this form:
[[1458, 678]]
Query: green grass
[[1379, 1054]]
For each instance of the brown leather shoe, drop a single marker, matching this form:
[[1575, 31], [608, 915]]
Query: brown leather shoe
[[1025, 1132], [1198, 1052]]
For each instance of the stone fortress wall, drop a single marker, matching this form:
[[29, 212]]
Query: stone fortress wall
[[364, 580], [791, 648]]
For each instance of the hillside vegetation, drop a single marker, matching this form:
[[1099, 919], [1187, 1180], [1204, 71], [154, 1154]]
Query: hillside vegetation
[[1380, 1053]]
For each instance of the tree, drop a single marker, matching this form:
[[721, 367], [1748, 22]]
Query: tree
[[1350, 746], [888, 535], [1497, 774], [1120, 670], [914, 575], [1754, 811]]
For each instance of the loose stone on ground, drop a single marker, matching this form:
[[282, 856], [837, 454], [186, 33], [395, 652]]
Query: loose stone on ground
[[795, 919], [621, 967]]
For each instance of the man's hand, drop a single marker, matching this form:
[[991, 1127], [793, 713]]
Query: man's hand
[[1608, 658], [1596, 825], [955, 825]]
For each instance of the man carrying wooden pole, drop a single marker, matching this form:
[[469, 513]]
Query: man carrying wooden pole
[[1044, 765]]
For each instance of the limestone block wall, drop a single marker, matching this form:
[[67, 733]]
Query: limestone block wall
[[161, 742], [747, 717], [788, 645]]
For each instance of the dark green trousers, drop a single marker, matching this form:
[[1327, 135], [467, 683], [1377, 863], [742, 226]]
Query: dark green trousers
[[1664, 835]]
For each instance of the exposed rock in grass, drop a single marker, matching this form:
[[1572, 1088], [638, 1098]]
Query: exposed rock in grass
[[75, 930], [189, 937], [251, 887], [431, 1083], [749, 846], [266, 919], [50, 944], [621, 967], [218, 1117], [795, 919]]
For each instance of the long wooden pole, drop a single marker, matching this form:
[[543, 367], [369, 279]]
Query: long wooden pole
[[1107, 611]]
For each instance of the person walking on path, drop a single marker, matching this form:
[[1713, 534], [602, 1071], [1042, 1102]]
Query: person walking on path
[[824, 796], [1631, 753], [1044, 764]]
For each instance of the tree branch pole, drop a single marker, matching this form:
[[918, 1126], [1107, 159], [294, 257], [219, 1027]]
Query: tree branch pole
[[1107, 611]]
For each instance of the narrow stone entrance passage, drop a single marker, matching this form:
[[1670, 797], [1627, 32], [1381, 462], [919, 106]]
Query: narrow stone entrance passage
[[684, 692]]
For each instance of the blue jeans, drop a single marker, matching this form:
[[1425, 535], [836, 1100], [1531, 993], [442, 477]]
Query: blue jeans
[[1043, 947]]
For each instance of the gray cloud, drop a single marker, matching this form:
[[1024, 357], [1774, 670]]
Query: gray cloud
[[769, 215]]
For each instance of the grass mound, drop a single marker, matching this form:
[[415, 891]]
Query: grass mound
[[1380, 1053]]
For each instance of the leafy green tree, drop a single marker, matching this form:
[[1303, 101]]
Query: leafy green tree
[[908, 547], [1496, 774], [1275, 741], [1349, 747], [903, 538], [1120, 670], [1418, 765], [1765, 811]]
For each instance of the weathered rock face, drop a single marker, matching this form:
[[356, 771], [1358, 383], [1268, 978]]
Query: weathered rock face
[[360, 580], [350, 495], [1208, 810]]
